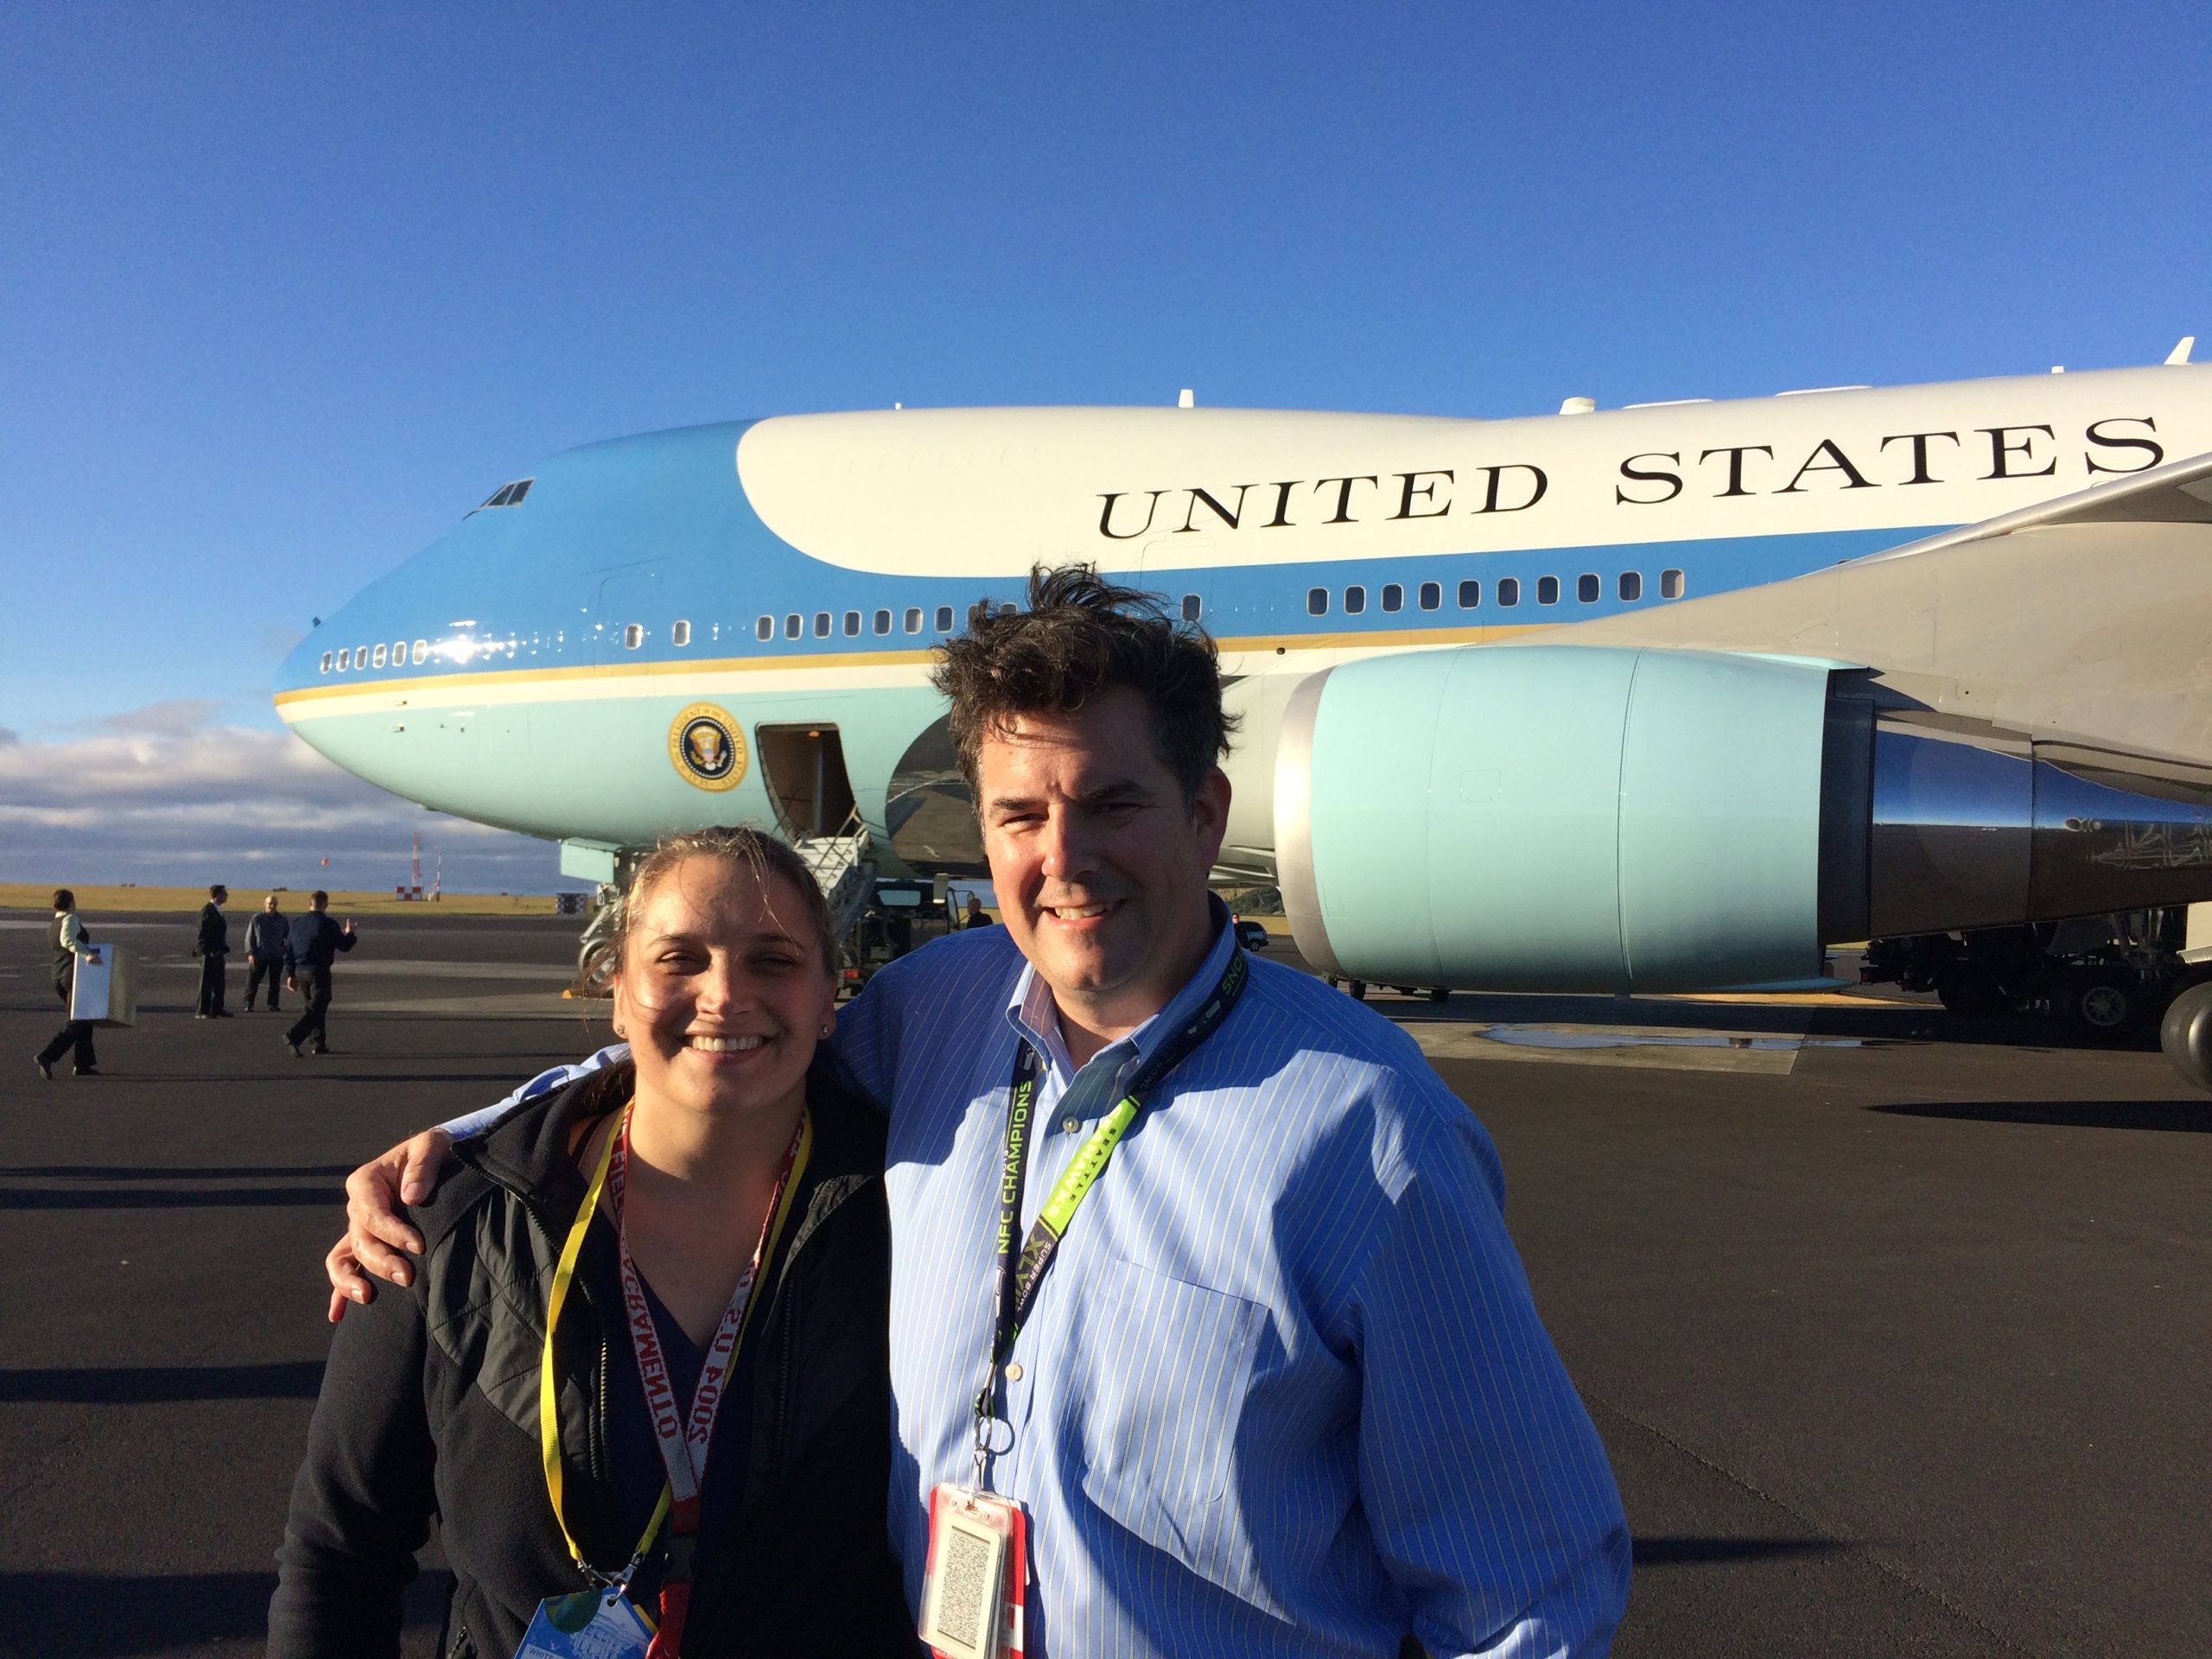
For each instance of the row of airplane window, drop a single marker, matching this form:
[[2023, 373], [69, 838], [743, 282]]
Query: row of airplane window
[[1589, 588], [795, 625]]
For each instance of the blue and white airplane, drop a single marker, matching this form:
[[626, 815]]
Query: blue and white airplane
[[1653, 698]]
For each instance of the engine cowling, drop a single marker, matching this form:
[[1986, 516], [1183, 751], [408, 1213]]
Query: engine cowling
[[1594, 818]]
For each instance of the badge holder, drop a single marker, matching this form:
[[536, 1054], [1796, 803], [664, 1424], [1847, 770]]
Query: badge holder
[[601, 1624], [975, 1583]]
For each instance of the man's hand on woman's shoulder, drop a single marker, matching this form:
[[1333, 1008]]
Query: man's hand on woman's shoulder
[[376, 1233]]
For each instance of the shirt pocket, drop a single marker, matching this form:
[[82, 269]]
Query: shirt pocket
[[1168, 1371]]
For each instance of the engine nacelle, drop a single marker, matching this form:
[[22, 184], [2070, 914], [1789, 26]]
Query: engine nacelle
[[1553, 818], [1595, 818]]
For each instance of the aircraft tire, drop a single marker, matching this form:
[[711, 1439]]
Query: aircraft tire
[[1437, 993], [2099, 1005], [2185, 1034]]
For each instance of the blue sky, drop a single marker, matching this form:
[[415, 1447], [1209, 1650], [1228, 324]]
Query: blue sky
[[285, 290]]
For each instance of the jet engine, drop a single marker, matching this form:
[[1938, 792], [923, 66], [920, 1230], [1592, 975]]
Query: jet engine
[[1603, 819]]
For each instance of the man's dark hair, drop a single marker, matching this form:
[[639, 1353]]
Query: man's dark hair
[[1080, 638], [64, 899], [318, 899], [218, 891]]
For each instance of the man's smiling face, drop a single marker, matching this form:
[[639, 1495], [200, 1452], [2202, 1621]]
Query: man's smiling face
[[1099, 863]]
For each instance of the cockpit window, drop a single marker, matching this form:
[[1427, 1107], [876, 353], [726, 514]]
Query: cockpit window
[[509, 495]]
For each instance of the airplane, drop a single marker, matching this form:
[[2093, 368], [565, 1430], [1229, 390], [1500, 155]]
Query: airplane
[[1659, 698]]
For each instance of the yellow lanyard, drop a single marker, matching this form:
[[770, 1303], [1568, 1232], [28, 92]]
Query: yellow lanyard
[[549, 1414]]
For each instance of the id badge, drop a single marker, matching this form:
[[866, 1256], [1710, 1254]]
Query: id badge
[[589, 1624], [976, 1582]]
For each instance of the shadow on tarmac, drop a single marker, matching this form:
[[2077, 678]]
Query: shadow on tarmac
[[94, 1616], [168, 1198], [162, 1384], [1693, 1551], [127, 1173], [2172, 1116]]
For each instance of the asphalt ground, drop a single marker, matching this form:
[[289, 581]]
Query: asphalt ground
[[1897, 1328]]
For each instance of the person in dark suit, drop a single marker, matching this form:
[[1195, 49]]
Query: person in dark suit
[[213, 946], [976, 916], [69, 940], [310, 949], [264, 952]]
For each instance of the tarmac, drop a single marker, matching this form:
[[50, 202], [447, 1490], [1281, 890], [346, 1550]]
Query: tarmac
[[1898, 1327]]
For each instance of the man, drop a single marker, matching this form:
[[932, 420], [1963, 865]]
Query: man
[[310, 949], [975, 916], [1280, 1389], [264, 952], [212, 946], [67, 938]]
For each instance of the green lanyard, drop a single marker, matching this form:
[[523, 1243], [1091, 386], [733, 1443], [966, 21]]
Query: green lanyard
[[1020, 1272]]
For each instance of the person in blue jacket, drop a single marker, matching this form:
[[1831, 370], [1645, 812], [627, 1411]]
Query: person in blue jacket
[[309, 950]]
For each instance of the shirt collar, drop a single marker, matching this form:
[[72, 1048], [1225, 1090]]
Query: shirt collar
[[1031, 1011]]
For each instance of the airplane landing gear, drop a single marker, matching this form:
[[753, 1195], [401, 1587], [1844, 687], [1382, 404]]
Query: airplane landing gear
[[2185, 1034]]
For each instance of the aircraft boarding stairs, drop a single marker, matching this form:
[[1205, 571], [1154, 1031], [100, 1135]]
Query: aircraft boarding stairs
[[844, 868]]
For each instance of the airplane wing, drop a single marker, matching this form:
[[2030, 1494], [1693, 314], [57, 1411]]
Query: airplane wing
[[2084, 623]]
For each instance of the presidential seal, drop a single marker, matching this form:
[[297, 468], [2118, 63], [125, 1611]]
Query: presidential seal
[[706, 746]]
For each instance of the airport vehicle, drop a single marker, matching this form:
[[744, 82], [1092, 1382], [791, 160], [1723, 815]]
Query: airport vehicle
[[1653, 698]]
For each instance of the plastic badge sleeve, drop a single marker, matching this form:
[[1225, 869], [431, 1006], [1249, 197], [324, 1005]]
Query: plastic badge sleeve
[[974, 1585]]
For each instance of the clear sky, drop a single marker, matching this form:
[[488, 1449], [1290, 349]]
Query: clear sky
[[286, 289]]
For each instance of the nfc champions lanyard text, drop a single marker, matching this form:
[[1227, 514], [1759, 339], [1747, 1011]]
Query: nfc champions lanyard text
[[1021, 1271]]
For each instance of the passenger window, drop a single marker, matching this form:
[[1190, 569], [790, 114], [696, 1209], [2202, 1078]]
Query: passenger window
[[1471, 595], [1547, 590], [1193, 607], [1587, 588], [1394, 597], [399, 653], [821, 624], [360, 655], [376, 660], [680, 634], [852, 623], [883, 621], [765, 628], [1671, 584], [327, 659], [1432, 595], [634, 635], [913, 618], [1509, 590], [944, 618], [793, 625], [422, 653], [1355, 600], [1006, 610], [1631, 589], [1317, 601]]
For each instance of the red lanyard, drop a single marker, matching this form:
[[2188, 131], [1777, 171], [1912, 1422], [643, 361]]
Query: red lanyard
[[685, 1437]]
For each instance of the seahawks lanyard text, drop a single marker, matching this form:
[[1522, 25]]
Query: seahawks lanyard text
[[1020, 1272]]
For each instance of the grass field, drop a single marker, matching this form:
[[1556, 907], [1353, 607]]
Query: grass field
[[22, 895]]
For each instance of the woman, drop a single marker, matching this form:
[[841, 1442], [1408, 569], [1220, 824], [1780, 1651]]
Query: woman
[[701, 1213], [69, 940]]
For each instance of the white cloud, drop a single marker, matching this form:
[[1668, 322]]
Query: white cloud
[[162, 796]]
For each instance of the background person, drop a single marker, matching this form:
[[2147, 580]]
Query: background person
[[65, 935], [214, 949], [310, 949], [264, 952], [975, 918], [707, 1187]]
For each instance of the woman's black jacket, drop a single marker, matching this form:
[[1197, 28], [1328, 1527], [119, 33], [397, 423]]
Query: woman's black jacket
[[430, 1405]]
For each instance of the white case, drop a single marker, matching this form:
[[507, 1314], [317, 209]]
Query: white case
[[106, 990]]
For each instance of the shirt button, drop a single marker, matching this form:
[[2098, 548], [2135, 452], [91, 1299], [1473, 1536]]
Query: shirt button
[[1070, 1123], [1013, 1370]]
